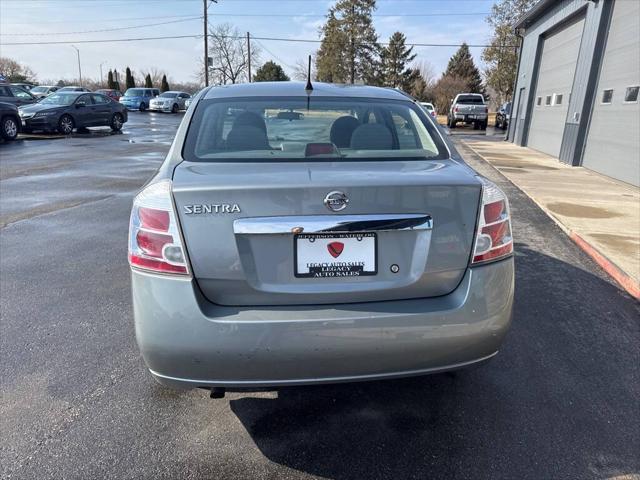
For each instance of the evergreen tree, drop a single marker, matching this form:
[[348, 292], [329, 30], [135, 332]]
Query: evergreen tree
[[501, 56], [349, 49], [164, 87], [396, 58], [330, 57], [419, 88], [270, 72], [116, 80], [461, 65], [147, 81], [130, 82], [110, 82]]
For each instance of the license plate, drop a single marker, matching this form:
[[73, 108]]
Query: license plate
[[472, 117], [328, 255]]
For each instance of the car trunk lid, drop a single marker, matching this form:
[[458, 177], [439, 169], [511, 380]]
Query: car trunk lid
[[261, 234]]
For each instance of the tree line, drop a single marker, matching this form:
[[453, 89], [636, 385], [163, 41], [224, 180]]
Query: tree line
[[350, 52], [151, 80]]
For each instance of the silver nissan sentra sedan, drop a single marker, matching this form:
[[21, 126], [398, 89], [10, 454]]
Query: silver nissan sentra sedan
[[298, 236]]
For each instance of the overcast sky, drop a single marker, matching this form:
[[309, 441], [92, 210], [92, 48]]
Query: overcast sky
[[69, 21]]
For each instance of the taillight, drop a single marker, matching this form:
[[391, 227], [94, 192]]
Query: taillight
[[154, 238], [455, 109], [493, 237]]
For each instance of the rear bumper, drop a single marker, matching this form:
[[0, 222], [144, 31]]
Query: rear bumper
[[470, 117], [131, 105], [160, 108], [187, 341]]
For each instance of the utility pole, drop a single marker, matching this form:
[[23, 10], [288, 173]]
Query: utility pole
[[79, 69], [101, 77], [206, 47], [249, 55]]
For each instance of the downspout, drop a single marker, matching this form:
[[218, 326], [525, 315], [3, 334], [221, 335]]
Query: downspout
[[518, 33]]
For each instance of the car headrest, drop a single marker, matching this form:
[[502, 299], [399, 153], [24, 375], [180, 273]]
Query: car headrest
[[250, 119], [371, 136], [342, 129], [246, 137]]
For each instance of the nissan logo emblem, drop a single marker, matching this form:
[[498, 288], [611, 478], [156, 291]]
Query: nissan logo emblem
[[336, 201]]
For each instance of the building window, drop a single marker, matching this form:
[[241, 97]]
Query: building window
[[539, 101], [557, 99], [607, 95], [547, 100], [631, 95]]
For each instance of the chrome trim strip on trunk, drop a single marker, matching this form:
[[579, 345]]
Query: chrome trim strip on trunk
[[332, 223]]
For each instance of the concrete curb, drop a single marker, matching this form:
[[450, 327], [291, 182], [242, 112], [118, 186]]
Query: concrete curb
[[623, 279]]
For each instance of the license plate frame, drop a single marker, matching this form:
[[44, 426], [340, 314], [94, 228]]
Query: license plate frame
[[337, 271]]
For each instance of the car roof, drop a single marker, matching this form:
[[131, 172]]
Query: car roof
[[294, 89]]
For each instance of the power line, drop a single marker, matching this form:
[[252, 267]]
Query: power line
[[104, 29], [238, 37], [102, 20], [322, 15]]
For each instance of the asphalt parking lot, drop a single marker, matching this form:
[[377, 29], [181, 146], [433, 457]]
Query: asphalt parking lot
[[559, 401]]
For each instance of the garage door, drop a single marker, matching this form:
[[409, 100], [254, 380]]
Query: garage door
[[613, 141], [555, 80]]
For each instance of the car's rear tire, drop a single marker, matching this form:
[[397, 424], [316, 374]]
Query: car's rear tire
[[483, 125], [117, 120], [66, 125], [476, 125], [452, 124], [143, 107], [9, 128], [174, 109]]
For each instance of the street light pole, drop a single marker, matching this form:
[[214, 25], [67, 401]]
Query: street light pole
[[79, 68], [206, 42], [206, 47], [101, 77]]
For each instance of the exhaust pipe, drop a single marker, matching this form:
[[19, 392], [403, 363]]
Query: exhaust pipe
[[217, 392]]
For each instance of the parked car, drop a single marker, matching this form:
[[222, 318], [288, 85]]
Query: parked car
[[429, 108], [9, 121], [24, 86], [351, 243], [42, 91], [74, 88], [468, 108], [502, 116], [15, 95], [111, 93], [188, 101], [170, 101], [139, 98], [64, 111]]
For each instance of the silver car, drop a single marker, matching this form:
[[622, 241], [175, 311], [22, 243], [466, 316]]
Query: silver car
[[300, 236], [169, 102]]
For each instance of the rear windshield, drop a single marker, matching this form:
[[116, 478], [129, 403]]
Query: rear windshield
[[297, 128], [169, 95], [470, 100], [134, 92]]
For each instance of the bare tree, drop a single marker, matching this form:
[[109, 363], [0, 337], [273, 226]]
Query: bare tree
[[228, 49], [446, 89], [301, 69], [427, 71], [15, 72], [156, 75]]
